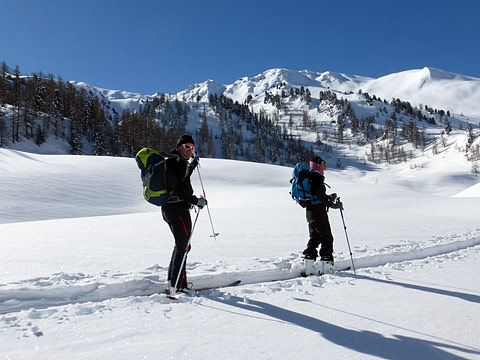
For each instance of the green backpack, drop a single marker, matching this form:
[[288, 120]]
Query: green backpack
[[152, 166]]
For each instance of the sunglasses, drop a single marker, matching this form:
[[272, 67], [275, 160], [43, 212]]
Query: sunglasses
[[188, 146]]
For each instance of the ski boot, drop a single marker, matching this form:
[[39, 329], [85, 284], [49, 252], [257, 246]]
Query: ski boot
[[185, 290], [309, 266], [326, 265]]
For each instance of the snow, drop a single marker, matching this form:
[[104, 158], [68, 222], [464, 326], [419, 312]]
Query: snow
[[439, 89], [429, 86], [120, 100], [472, 191], [203, 90], [457, 95], [83, 261]]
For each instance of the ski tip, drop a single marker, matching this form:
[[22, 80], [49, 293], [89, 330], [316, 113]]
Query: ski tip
[[234, 283]]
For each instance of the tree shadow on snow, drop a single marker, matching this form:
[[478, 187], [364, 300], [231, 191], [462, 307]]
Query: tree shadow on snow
[[362, 341]]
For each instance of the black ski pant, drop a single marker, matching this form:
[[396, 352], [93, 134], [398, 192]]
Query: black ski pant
[[320, 233], [177, 215]]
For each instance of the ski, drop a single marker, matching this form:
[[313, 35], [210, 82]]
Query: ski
[[169, 294], [312, 269], [172, 296], [319, 273], [234, 283]]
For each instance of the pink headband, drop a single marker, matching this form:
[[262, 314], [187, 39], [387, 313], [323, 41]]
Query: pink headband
[[316, 167]]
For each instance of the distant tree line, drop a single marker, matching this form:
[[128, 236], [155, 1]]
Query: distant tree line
[[40, 106], [254, 136], [276, 99]]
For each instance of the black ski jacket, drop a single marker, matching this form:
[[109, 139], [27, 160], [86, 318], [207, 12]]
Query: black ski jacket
[[317, 188], [177, 175]]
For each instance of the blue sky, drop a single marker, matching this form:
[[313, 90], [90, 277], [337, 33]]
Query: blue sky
[[148, 46]]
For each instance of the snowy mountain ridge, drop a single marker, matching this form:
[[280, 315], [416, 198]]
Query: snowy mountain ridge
[[428, 86], [280, 116]]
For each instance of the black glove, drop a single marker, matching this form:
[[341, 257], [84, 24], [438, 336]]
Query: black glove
[[332, 197], [337, 205], [201, 202], [194, 162]]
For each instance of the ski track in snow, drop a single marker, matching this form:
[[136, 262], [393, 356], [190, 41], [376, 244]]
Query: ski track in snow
[[41, 297]]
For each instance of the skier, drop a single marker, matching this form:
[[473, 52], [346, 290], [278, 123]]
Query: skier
[[317, 218], [176, 212]]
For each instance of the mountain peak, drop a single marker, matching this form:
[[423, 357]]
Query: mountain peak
[[202, 90]]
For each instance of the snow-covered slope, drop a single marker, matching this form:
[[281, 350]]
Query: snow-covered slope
[[257, 85], [79, 276], [201, 91], [429, 86], [281, 99], [120, 100]]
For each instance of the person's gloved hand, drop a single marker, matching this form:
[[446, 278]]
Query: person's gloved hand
[[337, 205], [332, 197], [194, 162], [201, 202]]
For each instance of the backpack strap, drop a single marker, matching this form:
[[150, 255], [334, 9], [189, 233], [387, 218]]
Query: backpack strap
[[302, 175], [175, 157]]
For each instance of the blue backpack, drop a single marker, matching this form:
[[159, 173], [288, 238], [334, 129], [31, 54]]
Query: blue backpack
[[300, 191], [152, 166]]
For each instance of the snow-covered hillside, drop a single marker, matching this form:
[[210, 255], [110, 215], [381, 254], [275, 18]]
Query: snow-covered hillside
[[84, 257], [279, 116], [438, 89], [309, 105], [257, 85], [428, 86], [120, 100], [434, 87]]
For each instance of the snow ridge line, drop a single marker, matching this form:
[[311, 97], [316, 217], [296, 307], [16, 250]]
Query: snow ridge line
[[14, 300], [416, 254], [26, 298]]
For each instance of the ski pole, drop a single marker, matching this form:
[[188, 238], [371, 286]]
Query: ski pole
[[186, 251], [348, 242], [215, 234]]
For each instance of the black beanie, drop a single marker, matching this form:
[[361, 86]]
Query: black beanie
[[184, 139], [318, 160]]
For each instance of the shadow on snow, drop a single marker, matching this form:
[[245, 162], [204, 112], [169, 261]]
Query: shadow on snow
[[362, 341]]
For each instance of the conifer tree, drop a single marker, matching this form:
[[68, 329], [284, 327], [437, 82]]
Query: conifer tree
[[3, 84], [3, 128], [475, 168], [211, 146], [40, 137], [258, 153], [448, 127], [434, 147], [16, 105], [470, 136], [340, 128]]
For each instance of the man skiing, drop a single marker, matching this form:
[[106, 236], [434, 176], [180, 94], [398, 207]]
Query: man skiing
[[176, 212], [317, 218]]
